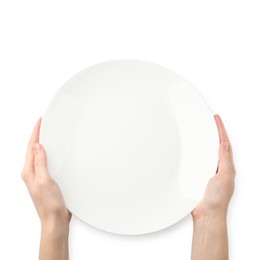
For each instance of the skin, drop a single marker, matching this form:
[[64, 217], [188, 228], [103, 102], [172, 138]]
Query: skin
[[48, 201], [210, 239]]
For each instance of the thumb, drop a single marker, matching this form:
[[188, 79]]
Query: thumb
[[40, 159]]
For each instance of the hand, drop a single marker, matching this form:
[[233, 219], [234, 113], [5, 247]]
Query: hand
[[210, 236], [220, 187], [44, 191]]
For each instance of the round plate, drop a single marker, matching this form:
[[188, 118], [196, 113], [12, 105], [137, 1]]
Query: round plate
[[131, 145]]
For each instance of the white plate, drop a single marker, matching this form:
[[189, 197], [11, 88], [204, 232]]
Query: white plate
[[131, 144]]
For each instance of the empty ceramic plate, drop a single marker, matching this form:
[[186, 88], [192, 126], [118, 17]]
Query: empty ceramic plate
[[131, 145]]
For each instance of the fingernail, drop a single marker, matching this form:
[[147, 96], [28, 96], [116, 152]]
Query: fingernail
[[37, 148]]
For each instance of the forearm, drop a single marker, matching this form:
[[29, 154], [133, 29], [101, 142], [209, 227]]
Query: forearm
[[54, 241], [210, 239]]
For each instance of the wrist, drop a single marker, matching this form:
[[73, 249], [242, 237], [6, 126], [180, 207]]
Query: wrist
[[210, 221], [205, 215]]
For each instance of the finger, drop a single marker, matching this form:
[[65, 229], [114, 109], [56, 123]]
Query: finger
[[225, 150], [221, 129], [40, 160], [225, 145], [29, 160]]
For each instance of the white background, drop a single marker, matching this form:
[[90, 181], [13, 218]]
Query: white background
[[213, 44]]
